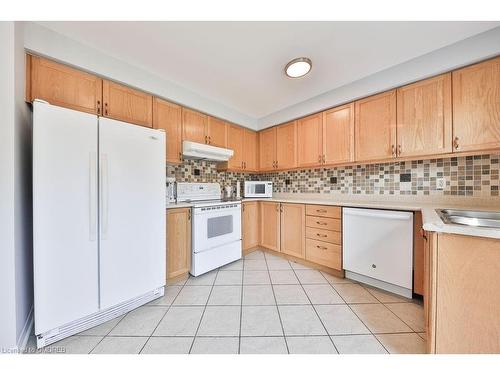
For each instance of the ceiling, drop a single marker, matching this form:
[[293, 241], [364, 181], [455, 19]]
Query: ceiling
[[240, 64]]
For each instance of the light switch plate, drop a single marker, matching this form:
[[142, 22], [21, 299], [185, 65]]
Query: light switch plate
[[440, 183]]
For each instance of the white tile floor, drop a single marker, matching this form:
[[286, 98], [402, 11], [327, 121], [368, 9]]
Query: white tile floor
[[262, 304]]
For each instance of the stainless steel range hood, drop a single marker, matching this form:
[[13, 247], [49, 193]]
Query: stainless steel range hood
[[193, 150]]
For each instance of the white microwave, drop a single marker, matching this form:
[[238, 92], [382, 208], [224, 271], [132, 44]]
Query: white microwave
[[258, 189]]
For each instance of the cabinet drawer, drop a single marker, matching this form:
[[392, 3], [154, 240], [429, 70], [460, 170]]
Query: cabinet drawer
[[324, 253], [323, 223], [324, 211], [324, 235]]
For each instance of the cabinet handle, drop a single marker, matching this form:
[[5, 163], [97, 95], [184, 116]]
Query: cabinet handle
[[399, 150], [242, 208], [323, 159], [189, 215], [106, 109], [180, 156], [321, 211], [393, 151], [322, 247], [276, 164], [319, 159], [277, 208], [209, 140], [455, 143], [98, 107], [245, 165], [321, 223], [206, 139], [282, 209], [321, 235]]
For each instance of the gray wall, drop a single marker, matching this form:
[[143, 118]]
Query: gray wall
[[16, 264]]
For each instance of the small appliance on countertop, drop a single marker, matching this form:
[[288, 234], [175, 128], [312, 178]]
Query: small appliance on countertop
[[216, 226], [258, 189]]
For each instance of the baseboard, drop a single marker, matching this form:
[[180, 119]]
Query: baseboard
[[26, 332]]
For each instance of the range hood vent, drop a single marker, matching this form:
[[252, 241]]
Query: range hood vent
[[193, 150]]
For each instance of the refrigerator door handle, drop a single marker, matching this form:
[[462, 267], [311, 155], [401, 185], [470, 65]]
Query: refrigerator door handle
[[104, 196], [92, 196]]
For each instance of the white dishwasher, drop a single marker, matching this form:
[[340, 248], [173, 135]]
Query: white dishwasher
[[378, 248]]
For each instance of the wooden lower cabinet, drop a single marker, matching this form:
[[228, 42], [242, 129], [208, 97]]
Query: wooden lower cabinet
[[293, 229], [324, 236], [178, 242], [270, 225], [462, 309], [250, 225]]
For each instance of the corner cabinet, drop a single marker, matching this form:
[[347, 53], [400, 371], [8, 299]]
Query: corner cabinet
[[168, 116], [270, 225], [476, 107], [178, 242], [375, 127], [62, 85], [125, 104]]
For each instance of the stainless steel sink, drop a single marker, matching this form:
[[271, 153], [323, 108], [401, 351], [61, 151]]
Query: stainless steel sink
[[487, 219]]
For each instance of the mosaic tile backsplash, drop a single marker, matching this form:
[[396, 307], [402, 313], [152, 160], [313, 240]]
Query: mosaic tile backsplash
[[474, 176]]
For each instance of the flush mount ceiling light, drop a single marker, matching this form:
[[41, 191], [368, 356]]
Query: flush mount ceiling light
[[298, 67]]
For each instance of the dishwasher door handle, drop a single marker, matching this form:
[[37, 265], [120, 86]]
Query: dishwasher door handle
[[382, 215]]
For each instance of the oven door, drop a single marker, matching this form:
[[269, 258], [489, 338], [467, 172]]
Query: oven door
[[216, 226]]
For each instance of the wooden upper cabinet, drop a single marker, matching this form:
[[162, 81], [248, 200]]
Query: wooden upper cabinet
[[251, 150], [424, 117], [310, 142], [286, 145], [168, 116], [216, 132], [250, 225], [476, 106], [235, 142], [338, 135], [125, 104], [267, 146], [293, 226], [270, 225], [63, 86], [375, 127], [194, 126]]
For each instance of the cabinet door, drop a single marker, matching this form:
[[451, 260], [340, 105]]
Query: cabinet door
[[310, 144], [217, 132], [267, 140], [168, 116], [293, 229], [178, 241], [250, 223], [63, 86], [270, 225], [424, 117], [235, 143], [375, 127], [125, 104], [286, 145], [250, 150], [338, 135], [194, 126], [476, 107]]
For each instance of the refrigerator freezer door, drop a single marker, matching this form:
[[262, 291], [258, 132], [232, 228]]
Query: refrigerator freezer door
[[132, 256], [65, 242]]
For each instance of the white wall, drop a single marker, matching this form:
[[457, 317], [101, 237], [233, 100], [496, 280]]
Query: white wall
[[467, 51], [16, 256], [7, 274], [45, 42]]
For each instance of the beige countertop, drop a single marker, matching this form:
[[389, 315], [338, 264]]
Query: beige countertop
[[427, 205]]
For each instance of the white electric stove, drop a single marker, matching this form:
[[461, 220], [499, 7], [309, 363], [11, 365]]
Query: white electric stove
[[216, 226]]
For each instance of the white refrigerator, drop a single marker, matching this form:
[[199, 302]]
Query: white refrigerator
[[98, 219]]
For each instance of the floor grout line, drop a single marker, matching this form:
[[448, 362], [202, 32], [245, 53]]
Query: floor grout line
[[277, 308], [203, 313]]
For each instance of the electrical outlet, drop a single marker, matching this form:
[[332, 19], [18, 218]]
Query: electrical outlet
[[288, 181], [333, 180], [405, 177], [440, 183], [196, 172]]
